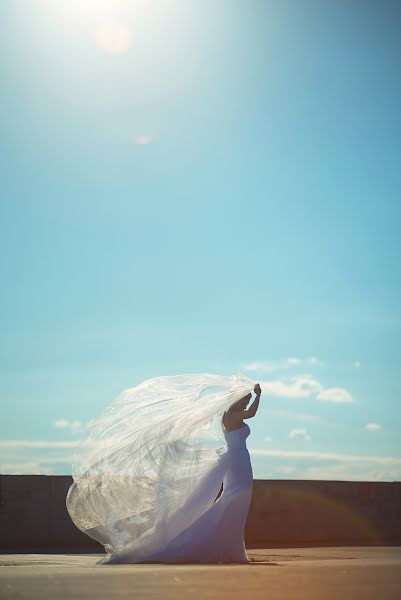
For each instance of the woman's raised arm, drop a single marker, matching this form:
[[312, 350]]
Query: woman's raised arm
[[251, 411]]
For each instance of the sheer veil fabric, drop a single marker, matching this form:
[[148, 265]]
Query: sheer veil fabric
[[153, 463]]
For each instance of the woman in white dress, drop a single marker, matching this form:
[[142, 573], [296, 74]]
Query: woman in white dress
[[152, 498]]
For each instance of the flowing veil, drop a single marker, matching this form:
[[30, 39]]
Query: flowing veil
[[153, 462]]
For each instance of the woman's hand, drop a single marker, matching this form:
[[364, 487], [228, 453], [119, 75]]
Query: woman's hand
[[257, 389]]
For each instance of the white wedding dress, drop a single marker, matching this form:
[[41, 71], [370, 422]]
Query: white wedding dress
[[146, 487]]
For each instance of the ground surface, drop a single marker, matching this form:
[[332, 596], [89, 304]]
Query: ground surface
[[282, 574]]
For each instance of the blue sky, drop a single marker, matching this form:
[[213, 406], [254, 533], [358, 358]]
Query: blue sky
[[203, 187]]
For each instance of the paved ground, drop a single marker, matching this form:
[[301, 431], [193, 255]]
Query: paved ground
[[282, 574]]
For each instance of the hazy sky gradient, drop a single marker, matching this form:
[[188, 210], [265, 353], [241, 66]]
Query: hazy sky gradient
[[203, 186]]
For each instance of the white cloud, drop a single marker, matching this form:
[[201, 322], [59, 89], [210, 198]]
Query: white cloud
[[269, 366], [301, 386], [26, 464], [19, 460], [305, 386], [74, 426], [373, 426], [268, 439], [348, 470], [25, 468], [57, 459], [351, 472], [392, 475], [312, 360], [356, 364], [286, 469], [330, 456], [335, 394], [37, 444], [299, 434], [266, 366], [143, 139], [327, 472]]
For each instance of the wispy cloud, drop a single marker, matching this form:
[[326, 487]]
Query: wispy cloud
[[38, 444], [329, 456], [15, 464], [335, 394], [268, 439], [391, 475], [74, 426], [301, 434], [286, 469], [356, 364], [143, 139], [27, 463], [373, 426], [312, 360], [264, 366], [351, 472], [270, 366], [25, 468], [326, 472]]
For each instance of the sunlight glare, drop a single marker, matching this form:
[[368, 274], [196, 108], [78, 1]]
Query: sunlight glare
[[114, 38]]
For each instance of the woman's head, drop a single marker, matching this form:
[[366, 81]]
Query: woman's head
[[242, 403]]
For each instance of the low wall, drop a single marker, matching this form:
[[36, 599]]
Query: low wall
[[282, 513]]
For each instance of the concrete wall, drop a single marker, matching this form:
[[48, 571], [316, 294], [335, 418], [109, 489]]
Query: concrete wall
[[297, 512], [282, 512]]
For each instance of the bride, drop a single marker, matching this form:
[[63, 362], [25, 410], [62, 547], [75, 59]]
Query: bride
[[147, 476]]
